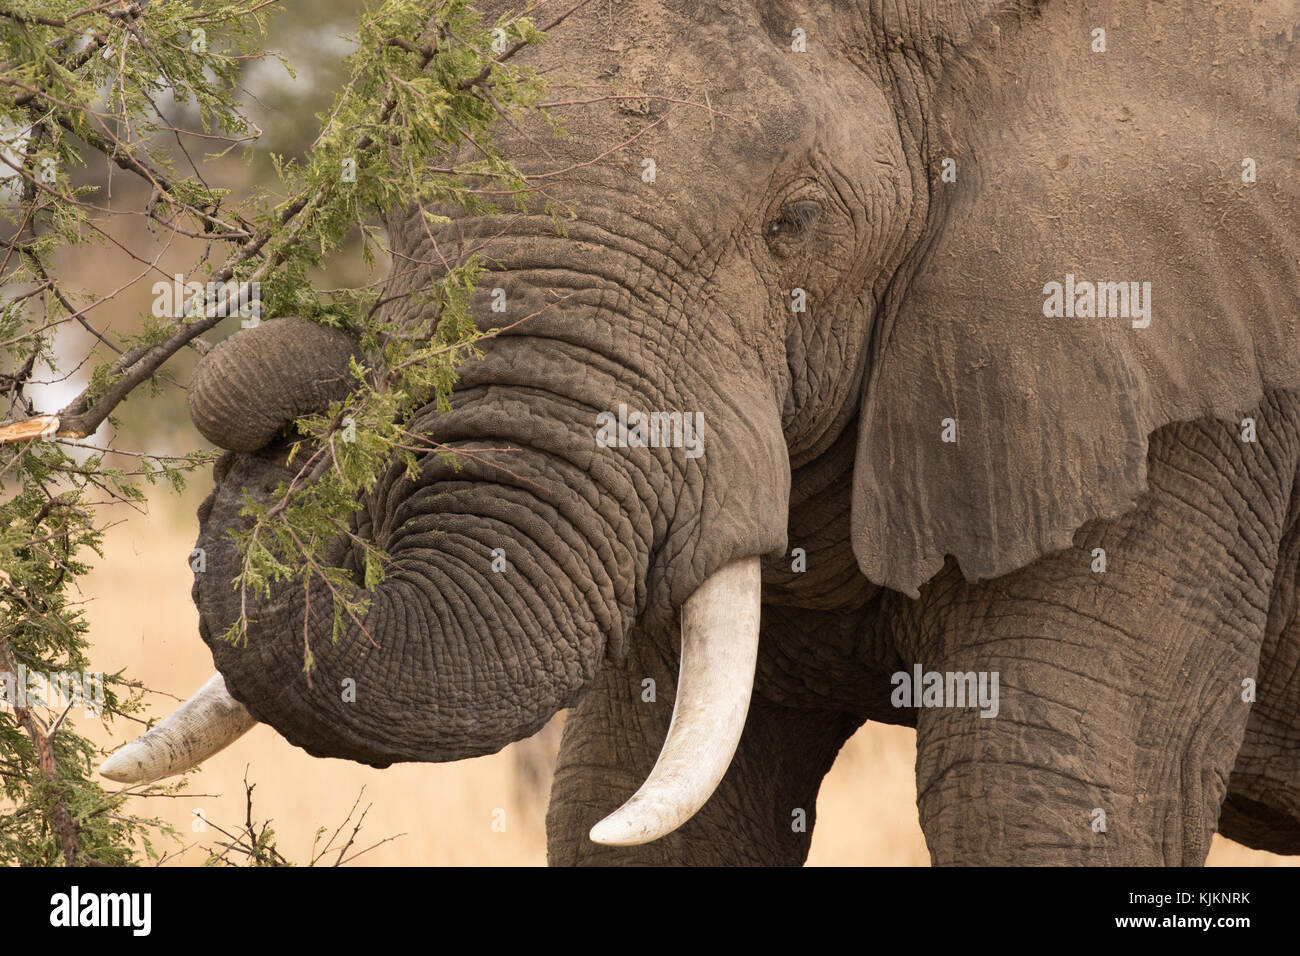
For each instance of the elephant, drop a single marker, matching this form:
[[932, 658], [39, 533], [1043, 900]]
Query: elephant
[[933, 347]]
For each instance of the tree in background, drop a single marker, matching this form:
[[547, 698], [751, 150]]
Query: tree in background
[[152, 90]]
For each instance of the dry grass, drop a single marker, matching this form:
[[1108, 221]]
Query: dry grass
[[143, 620]]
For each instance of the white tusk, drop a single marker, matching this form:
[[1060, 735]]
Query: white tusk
[[209, 721], [716, 675]]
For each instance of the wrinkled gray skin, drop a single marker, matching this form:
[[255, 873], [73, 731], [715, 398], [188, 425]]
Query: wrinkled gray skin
[[1120, 691]]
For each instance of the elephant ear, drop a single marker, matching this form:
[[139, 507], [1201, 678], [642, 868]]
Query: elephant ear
[[1125, 166]]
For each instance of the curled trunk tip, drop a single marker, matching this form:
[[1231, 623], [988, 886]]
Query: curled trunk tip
[[259, 380]]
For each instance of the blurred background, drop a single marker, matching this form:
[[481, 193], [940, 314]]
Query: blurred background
[[142, 619]]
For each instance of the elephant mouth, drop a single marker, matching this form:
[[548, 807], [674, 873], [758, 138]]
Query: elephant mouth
[[719, 637]]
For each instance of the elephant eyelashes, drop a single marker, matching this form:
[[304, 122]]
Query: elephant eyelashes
[[796, 220]]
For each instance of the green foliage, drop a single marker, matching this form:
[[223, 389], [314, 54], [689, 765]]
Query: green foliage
[[417, 89], [53, 812], [86, 81]]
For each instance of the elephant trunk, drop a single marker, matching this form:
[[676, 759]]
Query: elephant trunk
[[510, 571], [505, 576], [613, 462]]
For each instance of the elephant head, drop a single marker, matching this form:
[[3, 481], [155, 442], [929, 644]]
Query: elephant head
[[848, 232]]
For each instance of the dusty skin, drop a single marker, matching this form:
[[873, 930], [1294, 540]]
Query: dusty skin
[[951, 459]]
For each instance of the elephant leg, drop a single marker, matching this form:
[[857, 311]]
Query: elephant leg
[[761, 814], [1263, 805], [1120, 711]]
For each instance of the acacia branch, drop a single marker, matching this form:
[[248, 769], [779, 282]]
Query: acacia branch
[[81, 417]]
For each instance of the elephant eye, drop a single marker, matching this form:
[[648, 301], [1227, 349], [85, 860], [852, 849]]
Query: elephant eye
[[795, 220]]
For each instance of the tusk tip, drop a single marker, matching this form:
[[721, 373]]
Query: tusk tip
[[617, 830], [202, 726], [124, 766]]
